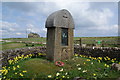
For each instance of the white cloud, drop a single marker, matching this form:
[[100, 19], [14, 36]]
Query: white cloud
[[11, 30], [19, 33], [85, 17], [44, 29], [32, 28]]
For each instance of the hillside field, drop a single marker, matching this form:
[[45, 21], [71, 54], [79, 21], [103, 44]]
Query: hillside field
[[84, 40]]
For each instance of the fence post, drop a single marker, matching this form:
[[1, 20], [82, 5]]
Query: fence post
[[80, 42]]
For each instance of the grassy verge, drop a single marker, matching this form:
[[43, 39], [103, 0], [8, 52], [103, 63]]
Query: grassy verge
[[38, 67], [13, 45]]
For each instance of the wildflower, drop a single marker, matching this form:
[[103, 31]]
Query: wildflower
[[24, 71], [49, 76], [80, 55], [84, 63], [99, 61], [105, 58], [63, 76], [30, 55], [91, 62], [90, 57], [5, 71], [21, 74], [88, 60], [68, 77], [79, 68], [15, 73], [39, 54], [114, 59], [18, 66], [66, 73], [14, 68], [100, 58], [57, 74], [78, 65], [10, 61], [76, 55], [105, 64], [84, 71], [61, 70], [94, 74]]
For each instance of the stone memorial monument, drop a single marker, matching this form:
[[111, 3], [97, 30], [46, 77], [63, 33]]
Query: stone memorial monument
[[60, 28]]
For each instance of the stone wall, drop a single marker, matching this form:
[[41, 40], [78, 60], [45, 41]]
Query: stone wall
[[9, 54], [99, 52], [94, 52]]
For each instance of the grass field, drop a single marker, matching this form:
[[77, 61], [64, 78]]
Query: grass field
[[27, 39], [85, 40], [13, 45], [79, 66]]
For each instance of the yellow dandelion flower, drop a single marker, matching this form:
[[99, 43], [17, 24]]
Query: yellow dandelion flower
[[15, 73], [108, 58], [24, 71], [84, 63], [114, 59], [105, 64], [10, 61], [99, 61], [76, 55], [49, 76], [63, 76], [18, 66], [94, 74], [80, 55], [105, 58], [39, 54], [21, 74], [14, 68], [6, 71], [88, 60]]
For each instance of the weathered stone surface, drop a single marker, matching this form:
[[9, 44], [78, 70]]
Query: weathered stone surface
[[55, 23], [61, 18], [116, 66]]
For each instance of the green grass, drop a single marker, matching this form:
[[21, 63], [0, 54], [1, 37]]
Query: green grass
[[85, 40], [41, 68], [27, 39], [13, 45]]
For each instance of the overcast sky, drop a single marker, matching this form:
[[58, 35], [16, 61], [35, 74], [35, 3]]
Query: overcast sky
[[92, 19]]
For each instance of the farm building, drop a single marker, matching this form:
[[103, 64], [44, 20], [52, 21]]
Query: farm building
[[33, 35]]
